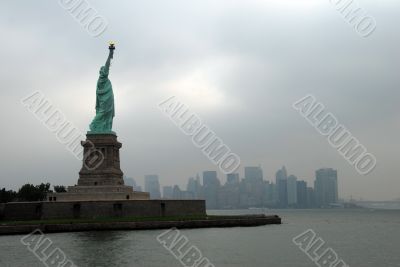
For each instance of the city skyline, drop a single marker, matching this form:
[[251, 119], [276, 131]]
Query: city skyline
[[292, 183]]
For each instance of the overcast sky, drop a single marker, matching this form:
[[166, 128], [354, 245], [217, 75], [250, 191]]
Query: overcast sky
[[239, 65]]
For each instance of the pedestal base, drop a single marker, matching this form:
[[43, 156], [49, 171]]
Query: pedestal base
[[101, 165], [100, 177], [92, 193]]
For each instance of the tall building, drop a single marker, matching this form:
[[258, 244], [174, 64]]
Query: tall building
[[176, 192], [210, 178], [253, 174], [194, 187], [168, 192], [152, 185], [232, 178], [292, 190], [211, 186], [310, 197], [138, 188], [302, 194], [326, 187], [269, 196], [253, 186], [132, 182], [281, 174], [281, 187]]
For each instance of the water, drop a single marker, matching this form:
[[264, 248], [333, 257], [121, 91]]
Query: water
[[367, 238]]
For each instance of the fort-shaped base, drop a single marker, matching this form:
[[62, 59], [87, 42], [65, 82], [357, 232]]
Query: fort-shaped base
[[92, 193]]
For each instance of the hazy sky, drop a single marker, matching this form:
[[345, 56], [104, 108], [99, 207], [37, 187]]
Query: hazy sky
[[239, 65]]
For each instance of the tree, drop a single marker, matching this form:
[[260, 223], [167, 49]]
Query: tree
[[60, 189], [29, 192], [7, 196]]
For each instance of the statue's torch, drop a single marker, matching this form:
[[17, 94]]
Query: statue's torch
[[111, 46]]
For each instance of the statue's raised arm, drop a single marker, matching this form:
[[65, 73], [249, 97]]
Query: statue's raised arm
[[110, 56]]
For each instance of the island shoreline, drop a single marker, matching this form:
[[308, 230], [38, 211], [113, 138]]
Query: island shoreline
[[209, 222]]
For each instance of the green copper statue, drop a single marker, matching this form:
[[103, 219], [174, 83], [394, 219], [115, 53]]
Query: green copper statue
[[102, 122]]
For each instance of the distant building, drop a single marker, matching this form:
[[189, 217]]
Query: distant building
[[281, 174], [302, 194], [253, 187], [138, 188], [326, 187], [168, 192], [131, 182], [152, 185], [253, 174], [194, 187], [177, 193], [211, 186], [210, 178], [311, 203], [281, 187], [269, 194], [292, 190], [229, 194], [232, 178]]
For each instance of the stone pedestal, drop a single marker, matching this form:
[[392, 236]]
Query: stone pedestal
[[100, 177], [101, 165]]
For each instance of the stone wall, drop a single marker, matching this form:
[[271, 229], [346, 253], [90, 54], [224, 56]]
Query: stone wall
[[2, 206], [221, 221], [98, 209], [98, 193]]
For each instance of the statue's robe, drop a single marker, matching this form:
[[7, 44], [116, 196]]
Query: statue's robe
[[105, 112]]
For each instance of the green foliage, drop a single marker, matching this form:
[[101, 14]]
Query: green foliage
[[60, 189], [29, 192], [7, 196]]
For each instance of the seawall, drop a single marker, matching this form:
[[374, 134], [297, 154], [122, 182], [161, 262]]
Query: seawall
[[96, 209], [214, 221]]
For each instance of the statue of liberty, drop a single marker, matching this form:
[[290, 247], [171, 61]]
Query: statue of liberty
[[102, 122]]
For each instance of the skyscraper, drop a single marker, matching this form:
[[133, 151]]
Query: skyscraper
[[254, 186], [302, 194], [194, 187], [232, 178], [132, 182], [211, 186], [168, 192], [229, 194], [281, 187], [253, 174], [210, 178], [326, 187], [281, 174], [310, 197], [152, 185], [292, 190]]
